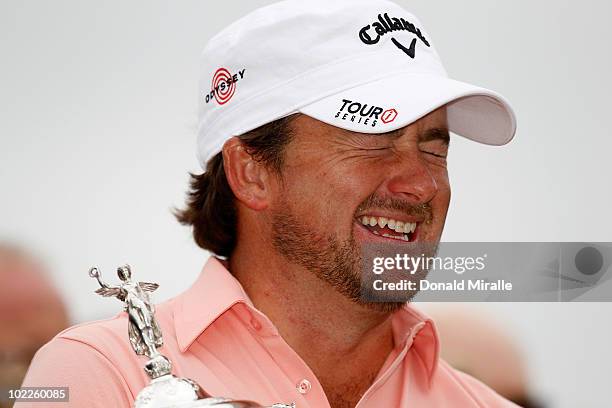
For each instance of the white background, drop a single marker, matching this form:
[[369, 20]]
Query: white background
[[98, 111]]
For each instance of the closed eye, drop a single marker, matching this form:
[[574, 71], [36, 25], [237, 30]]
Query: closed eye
[[377, 149], [434, 154]]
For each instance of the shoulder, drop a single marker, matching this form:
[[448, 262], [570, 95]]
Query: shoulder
[[110, 336], [91, 378], [480, 393], [101, 335]]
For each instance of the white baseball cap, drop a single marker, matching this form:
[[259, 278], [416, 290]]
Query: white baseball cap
[[363, 65]]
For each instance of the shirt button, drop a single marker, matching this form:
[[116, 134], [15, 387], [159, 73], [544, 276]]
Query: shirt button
[[303, 386], [255, 324]]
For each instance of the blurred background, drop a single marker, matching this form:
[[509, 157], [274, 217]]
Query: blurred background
[[98, 113]]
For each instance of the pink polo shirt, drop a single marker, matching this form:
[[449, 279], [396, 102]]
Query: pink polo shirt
[[214, 335]]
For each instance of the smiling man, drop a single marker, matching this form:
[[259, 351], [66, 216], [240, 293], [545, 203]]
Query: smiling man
[[323, 128]]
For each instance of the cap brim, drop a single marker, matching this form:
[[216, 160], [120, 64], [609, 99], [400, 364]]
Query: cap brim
[[476, 113]]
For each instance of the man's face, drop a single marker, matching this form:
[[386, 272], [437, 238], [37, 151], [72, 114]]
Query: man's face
[[342, 190]]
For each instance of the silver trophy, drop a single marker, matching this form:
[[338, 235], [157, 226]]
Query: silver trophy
[[165, 390]]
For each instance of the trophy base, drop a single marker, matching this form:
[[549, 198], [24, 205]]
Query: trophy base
[[219, 403], [166, 392], [227, 403], [169, 391]]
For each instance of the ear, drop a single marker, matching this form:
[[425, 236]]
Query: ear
[[247, 178]]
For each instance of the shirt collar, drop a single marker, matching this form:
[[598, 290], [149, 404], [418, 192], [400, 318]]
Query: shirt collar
[[216, 291], [413, 328]]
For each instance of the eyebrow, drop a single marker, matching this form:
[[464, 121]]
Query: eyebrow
[[437, 133]]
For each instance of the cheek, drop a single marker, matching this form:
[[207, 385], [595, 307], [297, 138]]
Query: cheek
[[441, 201], [444, 188], [329, 196]]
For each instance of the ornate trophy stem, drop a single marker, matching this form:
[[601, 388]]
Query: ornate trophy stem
[[165, 390]]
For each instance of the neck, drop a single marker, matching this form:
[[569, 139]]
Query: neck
[[333, 335]]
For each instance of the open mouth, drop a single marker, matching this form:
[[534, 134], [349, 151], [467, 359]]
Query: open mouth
[[390, 228]]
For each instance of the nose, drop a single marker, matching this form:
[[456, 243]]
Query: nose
[[411, 179]]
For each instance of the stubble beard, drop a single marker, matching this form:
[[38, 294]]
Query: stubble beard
[[334, 262]]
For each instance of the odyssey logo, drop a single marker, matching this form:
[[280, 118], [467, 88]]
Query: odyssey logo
[[385, 25], [364, 114], [224, 85]]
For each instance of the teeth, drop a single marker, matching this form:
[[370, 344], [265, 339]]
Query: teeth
[[397, 226], [402, 237], [409, 227]]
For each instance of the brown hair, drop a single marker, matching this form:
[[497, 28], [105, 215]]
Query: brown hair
[[210, 206]]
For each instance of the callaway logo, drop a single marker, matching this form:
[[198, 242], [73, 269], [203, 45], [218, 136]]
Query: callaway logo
[[386, 24], [365, 114], [224, 85]]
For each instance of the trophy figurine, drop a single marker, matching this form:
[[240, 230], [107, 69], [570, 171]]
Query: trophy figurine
[[165, 390]]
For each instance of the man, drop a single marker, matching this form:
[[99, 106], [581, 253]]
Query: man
[[31, 313], [323, 128]]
